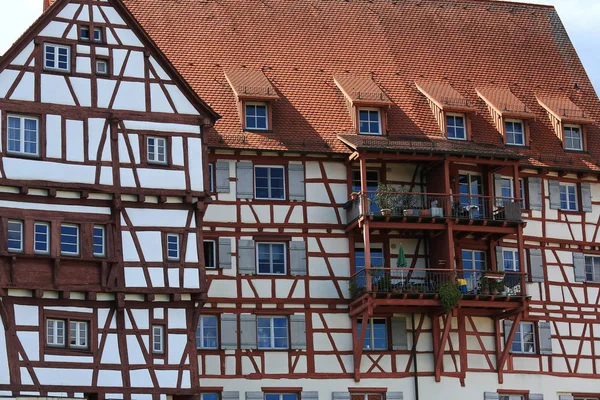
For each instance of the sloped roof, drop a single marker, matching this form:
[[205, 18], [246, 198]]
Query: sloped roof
[[249, 83], [361, 89], [301, 44], [563, 109], [444, 96], [504, 102]]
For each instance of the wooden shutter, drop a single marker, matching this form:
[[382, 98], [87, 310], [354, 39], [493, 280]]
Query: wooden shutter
[[340, 395], [499, 258], [298, 258], [545, 334], [536, 265], [535, 396], [229, 332], [222, 176], [554, 189], [296, 182], [230, 395], [498, 189], [246, 257], [507, 325], [298, 332], [535, 193], [247, 331], [579, 267], [394, 396], [399, 337], [310, 395], [586, 197], [245, 180], [225, 253], [254, 395], [491, 396]]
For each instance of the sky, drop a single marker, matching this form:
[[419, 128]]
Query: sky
[[580, 17]]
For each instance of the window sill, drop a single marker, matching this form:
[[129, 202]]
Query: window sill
[[258, 130], [572, 212], [67, 351], [23, 155]]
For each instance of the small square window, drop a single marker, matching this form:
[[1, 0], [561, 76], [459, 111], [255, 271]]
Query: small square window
[[41, 238], [269, 183], [210, 254], [257, 116], [15, 236], [568, 196], [99, 241], [78, 337], [102, 67], [272, 332], [23, 135], [369, 120], [524, 341], [573, 137], [207, 333], [57, 57], [157, 150], [84, 32], [173, 246], [515, 132], [97, 34], [158, 340], [455, 127], [271, 258], [376, 334], [69, 240]]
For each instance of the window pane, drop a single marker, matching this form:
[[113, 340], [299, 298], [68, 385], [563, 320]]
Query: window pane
[[69, 239], [41, 238], [209, 254], [15, 235], [99, 241]]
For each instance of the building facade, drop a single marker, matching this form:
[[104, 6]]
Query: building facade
[[272, 200]]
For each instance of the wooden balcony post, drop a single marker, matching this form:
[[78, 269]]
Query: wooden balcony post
[[447, 187], [516, 191], [367, 243], [522, 260]]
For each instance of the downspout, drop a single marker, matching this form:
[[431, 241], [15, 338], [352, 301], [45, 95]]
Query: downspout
[[414, 351]]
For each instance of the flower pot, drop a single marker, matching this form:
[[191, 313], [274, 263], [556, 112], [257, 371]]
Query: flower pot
[[485, 291], [424, 213], [386, 212], [408, 213], [495, 292]]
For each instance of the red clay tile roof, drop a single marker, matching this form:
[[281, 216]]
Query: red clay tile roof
[[361, 90], [564, 109], [504, 102], [249, 83], [301, 44], [444, 96]]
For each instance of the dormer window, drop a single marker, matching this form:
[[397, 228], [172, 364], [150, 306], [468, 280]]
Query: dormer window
[[257, 116], [369, 121], [455, 127], [573, 137], [515, 132]]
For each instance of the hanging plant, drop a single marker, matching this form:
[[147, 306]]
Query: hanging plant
[[450, 295]]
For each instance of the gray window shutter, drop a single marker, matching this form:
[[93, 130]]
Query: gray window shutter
[[499, 258], [229, 332], [298, 258], [222, 176], [340, 395], [246, 257], [245, 180], [545, 333], [296, 182], [491, 396], [579, 267], [310, 395], [535, 193], [254, 395], [394, 396], [498, 189], [536, 265], [399, 338], [565, 397], [298, 332], [586, 197], [230, 395], [535, 396], [554, 189], [248, 331], [507, 327], [225, 253]]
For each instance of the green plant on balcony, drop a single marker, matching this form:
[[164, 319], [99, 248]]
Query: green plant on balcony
[[386, 198], [450, 295], [354, 289]]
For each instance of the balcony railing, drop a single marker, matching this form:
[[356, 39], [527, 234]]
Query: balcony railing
[[430, 280], [433, 205]]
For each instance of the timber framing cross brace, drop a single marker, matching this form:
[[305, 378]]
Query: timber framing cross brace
[[503, 356]]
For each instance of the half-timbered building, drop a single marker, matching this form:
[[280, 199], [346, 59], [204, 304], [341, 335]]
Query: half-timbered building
[[404, 202]]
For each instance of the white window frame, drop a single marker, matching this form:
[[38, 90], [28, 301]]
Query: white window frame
[[200, 333], [103, 228], [272, 332], [35, 241], [153, 157], [178, 242], [285, 260], [279, 395], [102, 62], [371, 328], [55, 67], [593, 259], [158, 346], [213, 395], [214, 252], [379, 120], [464, 117], [21, 234], [511, 397], [53, 340], [520, 336], [211, 178], [22, 119], [562, 185], [256, 104], [82, 329], [571, 127], [78, 236], [513, 254], [515, 121], [366, 396], [270, 167]]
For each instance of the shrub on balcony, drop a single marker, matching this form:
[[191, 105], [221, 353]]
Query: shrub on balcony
[[450, 295]]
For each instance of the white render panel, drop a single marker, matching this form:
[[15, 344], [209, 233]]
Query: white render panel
[[106, 177], [195, 163], [105, 91], [134, 352], [131, 96], [134, 277], [135, 147], [152, 217], [83, 91], [191, 279], [221, 288], [55, 90], [220, 213], [166, 378], [191, 253], [140, 378], [129, 250], [26, 315], [157, 277], [24, 55], [161, 127], [95, 131], [54, 29], [127, 178], [128, 38], [4, 370], [159, 102], [321, 215], [54, 207], [31, 344], [162, 178], [118, 59], [84, 15], [97, 16], [67, 376], [81, 49], [182, 104], [24, 90], [7, 78], [177, 150], [141, 317], [173, 275], [177, 318], [68, 359], [75, 142], [83, 65], [16, 168], [109, 378], [159, 70], [68, 11], [151, 244], [135, 65], [123, 153], [112, 15]]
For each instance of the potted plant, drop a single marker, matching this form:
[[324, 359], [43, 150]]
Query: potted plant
[[375, 278], [386, 198], [385, 283], [450, 295]]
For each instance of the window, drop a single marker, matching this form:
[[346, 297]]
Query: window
[[78, 335], [573, 137], [209, 396], [55, 332], [272, 332], [271, 258], [69, 239], [269, 183], [173, 246], [158, 342], [85, 33], [455, 126], [23, 135], [41, 238], [369, 120], [256, 116], [568, 196], [281, 396], [376, 334], [57, 57], [206, 332], [157, 150], [510, 258], [507, 192], [515, 134], [210, 254], [592, 268], [15, 236], [511, 397], [524, 341], [211, 178], [99, 241], [102, 67]]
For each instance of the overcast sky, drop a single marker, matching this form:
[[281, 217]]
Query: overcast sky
[[581, 17]]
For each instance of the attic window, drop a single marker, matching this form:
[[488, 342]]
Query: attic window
[[369, 121], [84, 33], [573, 137], [57, 57], [257, 116], [455, 127]]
